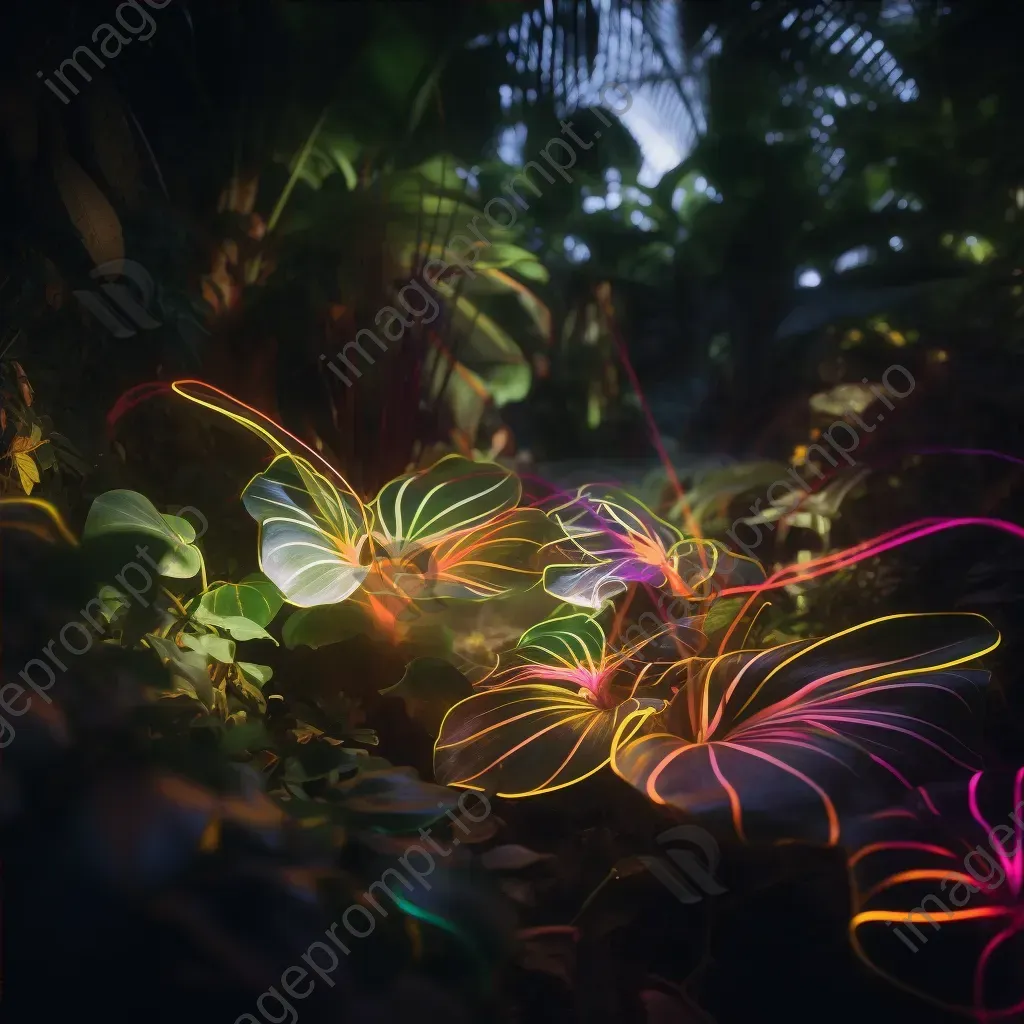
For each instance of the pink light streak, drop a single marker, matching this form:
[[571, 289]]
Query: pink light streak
[[826, 564]]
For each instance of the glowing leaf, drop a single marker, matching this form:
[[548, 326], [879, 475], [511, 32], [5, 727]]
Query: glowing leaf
[[454, 494], [555, 704], [310, 533], [617, 541], [447, 531], [567, 642], [598, 509], [492, 560], [572, 651], [590, 586], [786, 737], [523, 740]]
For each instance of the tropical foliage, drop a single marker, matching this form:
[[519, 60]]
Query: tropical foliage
[[554, 516], [783, 741], [766, 734]]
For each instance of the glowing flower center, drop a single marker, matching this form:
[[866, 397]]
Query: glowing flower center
[[648, 551], [591, 682]]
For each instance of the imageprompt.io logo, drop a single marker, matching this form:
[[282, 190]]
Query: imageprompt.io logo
[[123, 312], [686, 875]]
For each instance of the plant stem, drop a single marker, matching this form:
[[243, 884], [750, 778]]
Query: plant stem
[[293, 178]]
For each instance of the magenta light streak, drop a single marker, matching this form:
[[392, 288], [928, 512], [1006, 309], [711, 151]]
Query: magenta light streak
[[869, 549]]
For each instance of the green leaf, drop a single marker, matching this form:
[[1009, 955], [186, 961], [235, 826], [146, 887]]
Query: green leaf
[[112, 601], [532, 270], [395, 57], [568, 641], [508, 382], [487, 341], [323, 625], [258, 675], [465, 392], [537, 311], [255, 598], [411, 194], [440, 170], [239, 627], [190, 666], [181, 528], [216, 647], [503, 255], [45, 456], [123, 511], [429, 687], [722, 614], [250, 679], [166, 649], [330, 153]]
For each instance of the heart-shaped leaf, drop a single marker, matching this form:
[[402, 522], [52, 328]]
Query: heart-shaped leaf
[[254, 598], [129, 512], [311, 534], [258, 675]]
